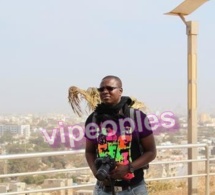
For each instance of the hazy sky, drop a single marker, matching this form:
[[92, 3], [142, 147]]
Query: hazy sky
[[46, 46]]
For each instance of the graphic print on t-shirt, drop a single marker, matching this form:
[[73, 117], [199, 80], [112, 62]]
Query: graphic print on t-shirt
[[116, 146]]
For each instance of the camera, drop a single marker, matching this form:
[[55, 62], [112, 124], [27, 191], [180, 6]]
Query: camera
[[104, 166]]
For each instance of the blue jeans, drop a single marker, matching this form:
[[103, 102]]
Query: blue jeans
[[140, 189]]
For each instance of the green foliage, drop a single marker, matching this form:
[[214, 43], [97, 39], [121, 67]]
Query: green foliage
[[74, 178], [15, 148], [2, 180], [157, 186], [57, 162], [29, 179], [23, 165], [39, 179], [60, 175], [40, 145], [2, 165], [79, 160], [6, 137]]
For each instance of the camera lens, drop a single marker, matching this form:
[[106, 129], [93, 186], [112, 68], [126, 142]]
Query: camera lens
[[104, 166], [101, 174]]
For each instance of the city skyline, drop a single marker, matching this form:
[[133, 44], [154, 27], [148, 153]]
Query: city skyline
[[46, 47]]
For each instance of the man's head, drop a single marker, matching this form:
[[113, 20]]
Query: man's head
[[110, 90]]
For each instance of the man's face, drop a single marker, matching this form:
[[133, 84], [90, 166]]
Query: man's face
[[110, 91]]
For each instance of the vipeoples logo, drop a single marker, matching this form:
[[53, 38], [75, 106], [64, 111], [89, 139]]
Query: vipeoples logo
[[73, 136]]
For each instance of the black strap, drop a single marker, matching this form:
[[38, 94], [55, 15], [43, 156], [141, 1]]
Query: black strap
[[132, 116]]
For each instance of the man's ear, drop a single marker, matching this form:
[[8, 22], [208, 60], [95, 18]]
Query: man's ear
[[121, 89]]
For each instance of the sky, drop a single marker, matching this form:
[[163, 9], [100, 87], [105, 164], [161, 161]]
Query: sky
[[46, 46]]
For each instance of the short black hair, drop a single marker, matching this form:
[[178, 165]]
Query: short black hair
[[115, 78]]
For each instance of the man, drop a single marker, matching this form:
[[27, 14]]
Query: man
[[109, 134]]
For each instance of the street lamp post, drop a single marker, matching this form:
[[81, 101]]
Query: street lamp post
[[185, 8]]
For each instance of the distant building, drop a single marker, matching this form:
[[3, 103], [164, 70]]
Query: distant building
[[25, 131], [4, 188], [83, 179], [13, 129], [84, 192], [53, 183], [17, 187], [22, 130], [203, 118]]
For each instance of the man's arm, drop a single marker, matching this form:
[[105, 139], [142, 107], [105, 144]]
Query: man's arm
[[90, 154], [149, 154]]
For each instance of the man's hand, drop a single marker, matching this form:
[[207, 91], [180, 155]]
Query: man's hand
[[119, 172]]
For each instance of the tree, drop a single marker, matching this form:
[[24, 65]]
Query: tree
[[24, 165], [40, 179], [6, 137], [91, 96], [15, 148], [39, 144], [29, 179]]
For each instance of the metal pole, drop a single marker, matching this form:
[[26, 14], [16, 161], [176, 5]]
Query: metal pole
[[207, 169], [192, 31]]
